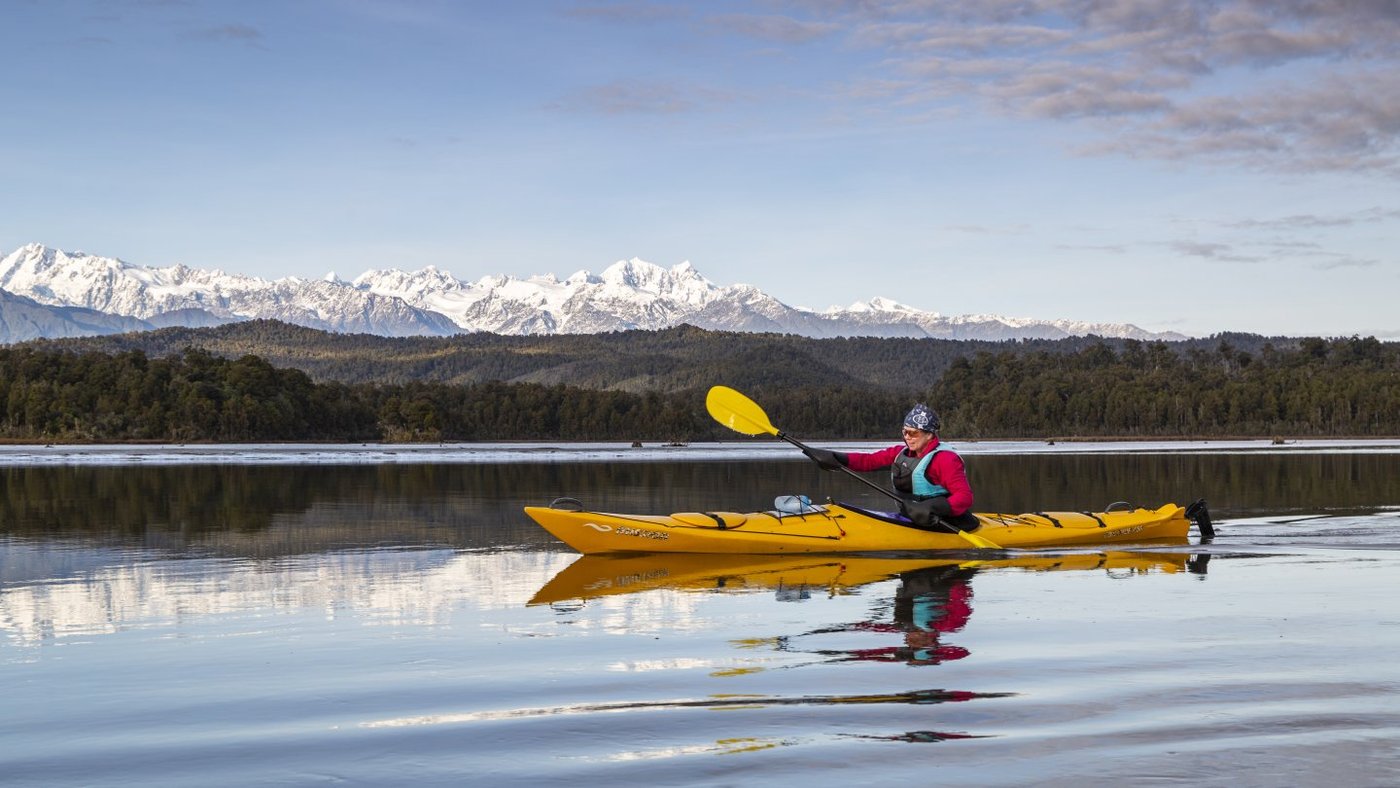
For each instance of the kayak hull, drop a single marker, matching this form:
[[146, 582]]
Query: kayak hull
[[841, 528]]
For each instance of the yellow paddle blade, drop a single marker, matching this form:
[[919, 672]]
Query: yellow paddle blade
[[737, 412], [978, 541]]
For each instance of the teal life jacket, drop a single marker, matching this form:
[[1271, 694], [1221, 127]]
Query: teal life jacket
[[910, 476]]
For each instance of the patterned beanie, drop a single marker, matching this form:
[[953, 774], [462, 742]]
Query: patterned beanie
[[922, 417]]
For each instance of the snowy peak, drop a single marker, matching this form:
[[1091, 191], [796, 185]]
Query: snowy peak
[[427, 278], [629, 294], [639, 274], [636, 274], [879, 305], [56, 278], [638, 279]]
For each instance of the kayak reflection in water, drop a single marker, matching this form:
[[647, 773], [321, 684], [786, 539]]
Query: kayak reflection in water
[[928, 476], [928, 604]]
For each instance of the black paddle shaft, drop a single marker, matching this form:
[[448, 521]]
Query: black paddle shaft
[[849, 472]]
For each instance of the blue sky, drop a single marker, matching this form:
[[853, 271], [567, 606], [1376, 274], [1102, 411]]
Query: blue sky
[[1189, 166]]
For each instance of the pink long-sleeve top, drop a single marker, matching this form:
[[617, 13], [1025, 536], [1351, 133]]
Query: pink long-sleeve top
[[946, 470]]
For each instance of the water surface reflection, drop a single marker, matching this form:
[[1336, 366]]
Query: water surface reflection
[[240, 625], [278, 510]]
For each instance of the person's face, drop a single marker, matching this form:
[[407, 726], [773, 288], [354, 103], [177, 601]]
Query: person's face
[[916, 440]]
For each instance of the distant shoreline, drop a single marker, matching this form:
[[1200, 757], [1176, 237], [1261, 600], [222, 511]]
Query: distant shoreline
[[1280, 439], [138, 455]]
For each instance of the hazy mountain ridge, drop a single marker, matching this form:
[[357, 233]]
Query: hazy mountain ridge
[[23, 319], [630, 294], [672, 359]]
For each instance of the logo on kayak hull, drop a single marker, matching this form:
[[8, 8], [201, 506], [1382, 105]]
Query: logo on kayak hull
[[625, 530], [1123, 532]]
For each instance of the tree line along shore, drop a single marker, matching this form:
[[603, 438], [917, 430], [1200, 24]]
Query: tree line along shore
[[268, 381]]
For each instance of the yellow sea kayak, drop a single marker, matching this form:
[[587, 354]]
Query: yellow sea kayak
[[842, 528]]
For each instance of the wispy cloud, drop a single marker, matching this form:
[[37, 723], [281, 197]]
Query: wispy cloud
[[1321, 257], [1314, 221], [243, 34], [1335, 123], [1107, 248], [784, 29], [1278, 251], [1295, 247], [630, 97], [983, 229], [629, 12], [1343, 261], [1286, 85], [1224, 253]]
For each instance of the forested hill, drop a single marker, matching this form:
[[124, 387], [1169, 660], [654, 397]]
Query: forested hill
[[187, 385], [668, 360]]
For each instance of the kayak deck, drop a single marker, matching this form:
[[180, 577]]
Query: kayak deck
[[842, 528]]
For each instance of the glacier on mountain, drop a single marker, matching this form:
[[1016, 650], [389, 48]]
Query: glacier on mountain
[[105, 284], [630, 294]]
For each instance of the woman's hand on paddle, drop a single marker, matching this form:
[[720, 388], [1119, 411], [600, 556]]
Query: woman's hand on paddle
[[928, 511], [826, 459]]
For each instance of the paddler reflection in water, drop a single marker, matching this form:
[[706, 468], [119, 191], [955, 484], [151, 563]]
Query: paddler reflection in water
[[928, 604], [927, 475]]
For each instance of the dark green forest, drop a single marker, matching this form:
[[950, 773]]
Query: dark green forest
[[268, 381], [668, 360], [1342, 387]]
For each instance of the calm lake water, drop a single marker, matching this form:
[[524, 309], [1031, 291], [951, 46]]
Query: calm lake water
[[404, 623]]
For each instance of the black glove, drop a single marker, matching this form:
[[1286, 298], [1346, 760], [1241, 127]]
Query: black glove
[[826, 459], [927, 511]]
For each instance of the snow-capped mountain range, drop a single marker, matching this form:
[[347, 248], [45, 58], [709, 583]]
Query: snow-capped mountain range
[[629, 294]]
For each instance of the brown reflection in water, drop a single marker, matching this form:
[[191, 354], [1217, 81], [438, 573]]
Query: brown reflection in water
[[256, 510], [262, 510]]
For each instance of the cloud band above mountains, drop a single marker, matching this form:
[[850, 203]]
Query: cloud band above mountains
[[1282, 85]]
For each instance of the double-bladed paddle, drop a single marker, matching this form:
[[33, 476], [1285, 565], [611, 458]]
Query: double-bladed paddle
[[743, 415]]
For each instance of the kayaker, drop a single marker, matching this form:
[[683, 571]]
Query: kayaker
[[928, 476]]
